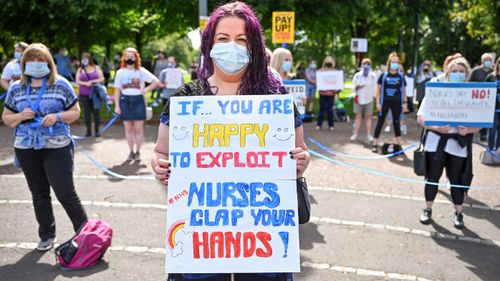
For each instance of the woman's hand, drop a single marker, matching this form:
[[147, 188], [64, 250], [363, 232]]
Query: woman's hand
[[441, 129], [378, 107], [26, 114], [118, 109], [302, 157], [49, 120], [463, 130], [161, 168]]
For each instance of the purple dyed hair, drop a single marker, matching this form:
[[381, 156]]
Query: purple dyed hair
[[257, 80]]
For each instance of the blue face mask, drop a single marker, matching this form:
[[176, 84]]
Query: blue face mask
[[230, 57], [286, 66], [366, 67], [457, 77], [312, 65], [488, 64], [17, 55], [394, 66], [171, 65], [37, 69]]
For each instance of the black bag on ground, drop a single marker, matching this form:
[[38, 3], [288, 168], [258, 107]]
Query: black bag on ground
[[303, 202], [419, 157]]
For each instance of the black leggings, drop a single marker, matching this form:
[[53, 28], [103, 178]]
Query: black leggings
[[51, 167], [396, 108], [88, 108], [454, 167]]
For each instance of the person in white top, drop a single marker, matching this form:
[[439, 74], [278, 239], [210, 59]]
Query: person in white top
[[448, 147], [12, 71], [129, 98], [365, 86]]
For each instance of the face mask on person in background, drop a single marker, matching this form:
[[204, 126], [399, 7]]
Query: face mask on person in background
[[312, 65], [230, 57], [366, 67], [328, 64], [17, 55], [85, 62], [130, 61], [488, 64], [36, 69], [286, 66], [457, 77], [394, 66], [171, 65]]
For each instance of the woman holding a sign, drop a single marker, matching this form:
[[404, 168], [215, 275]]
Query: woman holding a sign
[[391, 95], [448, 147], [233, 53], [326, 97], [130, 104]]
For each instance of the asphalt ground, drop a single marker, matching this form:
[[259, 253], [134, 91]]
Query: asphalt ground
[[364, 226]]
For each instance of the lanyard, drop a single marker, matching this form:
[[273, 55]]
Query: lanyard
[[34, 106]]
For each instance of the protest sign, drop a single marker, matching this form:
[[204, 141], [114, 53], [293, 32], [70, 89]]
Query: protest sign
[[330, 80], [359, 45], [203, 22], [460, 104], [297, 88], [410, 86], [173, 78], [283, 27], [232, 202]]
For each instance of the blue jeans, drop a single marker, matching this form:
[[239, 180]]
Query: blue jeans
[[494, 133], [325, 107]]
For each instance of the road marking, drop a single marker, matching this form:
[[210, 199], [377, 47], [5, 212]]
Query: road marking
[[306, 264], [396, 196], [313, 219], [402, 229]]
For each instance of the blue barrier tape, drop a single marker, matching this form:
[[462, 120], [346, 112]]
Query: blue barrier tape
[[491, 152], [3, 96], [381, 174], [110, 122], [105, 169], [327, 149]]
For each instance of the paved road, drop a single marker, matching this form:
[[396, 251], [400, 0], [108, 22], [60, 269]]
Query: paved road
[[364, 227]]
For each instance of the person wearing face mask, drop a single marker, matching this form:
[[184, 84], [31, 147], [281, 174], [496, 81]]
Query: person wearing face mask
[[281, 61], [364, 83], [130, 88], [448, 148], [233, 56], [63, 64], [494, 133], [160, 63], [12, 71], [424, 75], [310, 87], [40, 107], [391, 95], [171, 73], [479, 74], [88, 74], [326, 97]]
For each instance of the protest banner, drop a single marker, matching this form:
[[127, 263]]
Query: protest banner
[[297, 88], [283, 27], [359, 45], [410, 86], [460, 104], [203, 22], [232, 202], [330, 80], [173, 78]]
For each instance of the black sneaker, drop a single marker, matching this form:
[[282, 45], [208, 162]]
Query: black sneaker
[[137, 156], [131, 156], [374, 148], [458, 221], [426, 216]]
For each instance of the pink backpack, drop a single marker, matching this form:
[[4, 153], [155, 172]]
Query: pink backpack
[[87, 247]]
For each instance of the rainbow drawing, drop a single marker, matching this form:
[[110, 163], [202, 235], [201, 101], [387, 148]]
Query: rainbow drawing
[[172, 231]]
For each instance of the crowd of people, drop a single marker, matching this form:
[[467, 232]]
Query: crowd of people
[[41, 103]]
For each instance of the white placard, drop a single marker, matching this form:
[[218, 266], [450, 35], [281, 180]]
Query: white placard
[[232, 202], [460, 104], [297, 88], [410, 86], [330, 80], [359, 45], [173, 78]]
